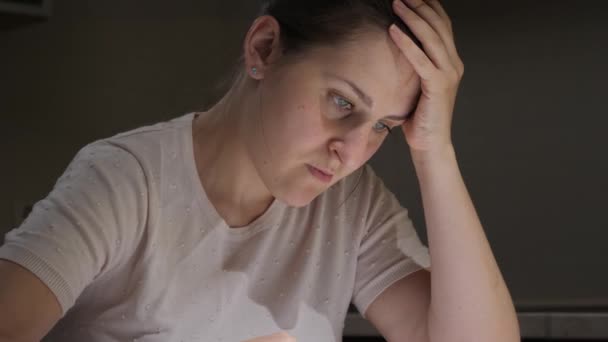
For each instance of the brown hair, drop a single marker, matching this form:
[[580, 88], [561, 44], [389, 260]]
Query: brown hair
[[309, 23]]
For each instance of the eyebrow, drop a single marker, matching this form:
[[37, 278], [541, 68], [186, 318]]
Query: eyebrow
[[360, 93], [368, 100]]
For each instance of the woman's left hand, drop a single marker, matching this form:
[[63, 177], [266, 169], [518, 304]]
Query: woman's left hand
[[440, 70]]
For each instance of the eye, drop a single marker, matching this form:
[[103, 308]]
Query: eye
[[342, 103], [381, 127]]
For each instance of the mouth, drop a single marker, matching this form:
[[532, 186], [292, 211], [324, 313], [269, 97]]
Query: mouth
[[323, 176]]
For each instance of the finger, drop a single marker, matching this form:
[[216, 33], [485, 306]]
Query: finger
[[438, 23], [433, 44], [428, 11], [421, 63], [436, 5], [450, 42]]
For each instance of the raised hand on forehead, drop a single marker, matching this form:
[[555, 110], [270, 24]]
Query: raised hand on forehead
[[439, 67]]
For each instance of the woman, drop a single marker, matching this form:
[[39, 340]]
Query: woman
[[259, 215]]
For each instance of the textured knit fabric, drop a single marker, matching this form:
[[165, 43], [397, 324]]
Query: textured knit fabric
[[133, 249]]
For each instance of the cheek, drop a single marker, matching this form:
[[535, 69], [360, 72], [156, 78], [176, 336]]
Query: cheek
[[304, 124], [292, 121], [370, 150], [294, 131]]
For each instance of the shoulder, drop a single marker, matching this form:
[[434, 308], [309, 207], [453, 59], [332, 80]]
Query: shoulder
[[142, 149]]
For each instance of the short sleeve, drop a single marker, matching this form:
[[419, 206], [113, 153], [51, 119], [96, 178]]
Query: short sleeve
[[389, 247], [86, 225]]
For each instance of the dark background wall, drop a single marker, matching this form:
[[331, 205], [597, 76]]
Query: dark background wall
[[529, 125]]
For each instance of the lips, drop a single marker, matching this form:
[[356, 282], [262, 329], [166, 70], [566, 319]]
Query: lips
[[325, 171], [322, 175]]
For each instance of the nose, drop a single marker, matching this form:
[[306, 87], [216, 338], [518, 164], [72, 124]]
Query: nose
[[349, 147]]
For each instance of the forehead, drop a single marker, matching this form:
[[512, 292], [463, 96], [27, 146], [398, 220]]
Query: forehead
[[376, 65]]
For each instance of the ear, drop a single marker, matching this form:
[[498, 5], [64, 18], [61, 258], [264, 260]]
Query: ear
[[262, 45]]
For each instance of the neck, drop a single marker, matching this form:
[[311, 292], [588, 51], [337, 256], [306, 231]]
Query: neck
[[224, 165]]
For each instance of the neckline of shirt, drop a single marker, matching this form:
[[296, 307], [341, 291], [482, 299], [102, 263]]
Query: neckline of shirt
[[269, 219]]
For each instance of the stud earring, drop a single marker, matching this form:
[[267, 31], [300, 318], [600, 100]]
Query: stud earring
[[254, 70]]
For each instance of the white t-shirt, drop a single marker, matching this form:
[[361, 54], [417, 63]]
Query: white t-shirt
[[134, 250]]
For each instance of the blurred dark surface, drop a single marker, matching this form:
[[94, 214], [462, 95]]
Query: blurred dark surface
[[379, 339], [12, 21]]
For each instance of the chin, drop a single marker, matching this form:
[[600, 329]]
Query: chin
[[295, 189], [298, 199]]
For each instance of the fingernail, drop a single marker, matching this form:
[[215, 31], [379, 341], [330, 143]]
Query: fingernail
[[400, 4]]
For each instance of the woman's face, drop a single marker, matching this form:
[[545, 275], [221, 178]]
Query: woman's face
[[330, 110]]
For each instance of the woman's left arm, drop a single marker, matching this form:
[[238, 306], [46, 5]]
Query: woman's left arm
[[469, 300]]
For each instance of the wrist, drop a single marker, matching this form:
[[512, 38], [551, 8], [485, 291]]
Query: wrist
[[439, 154], [437, 166]]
